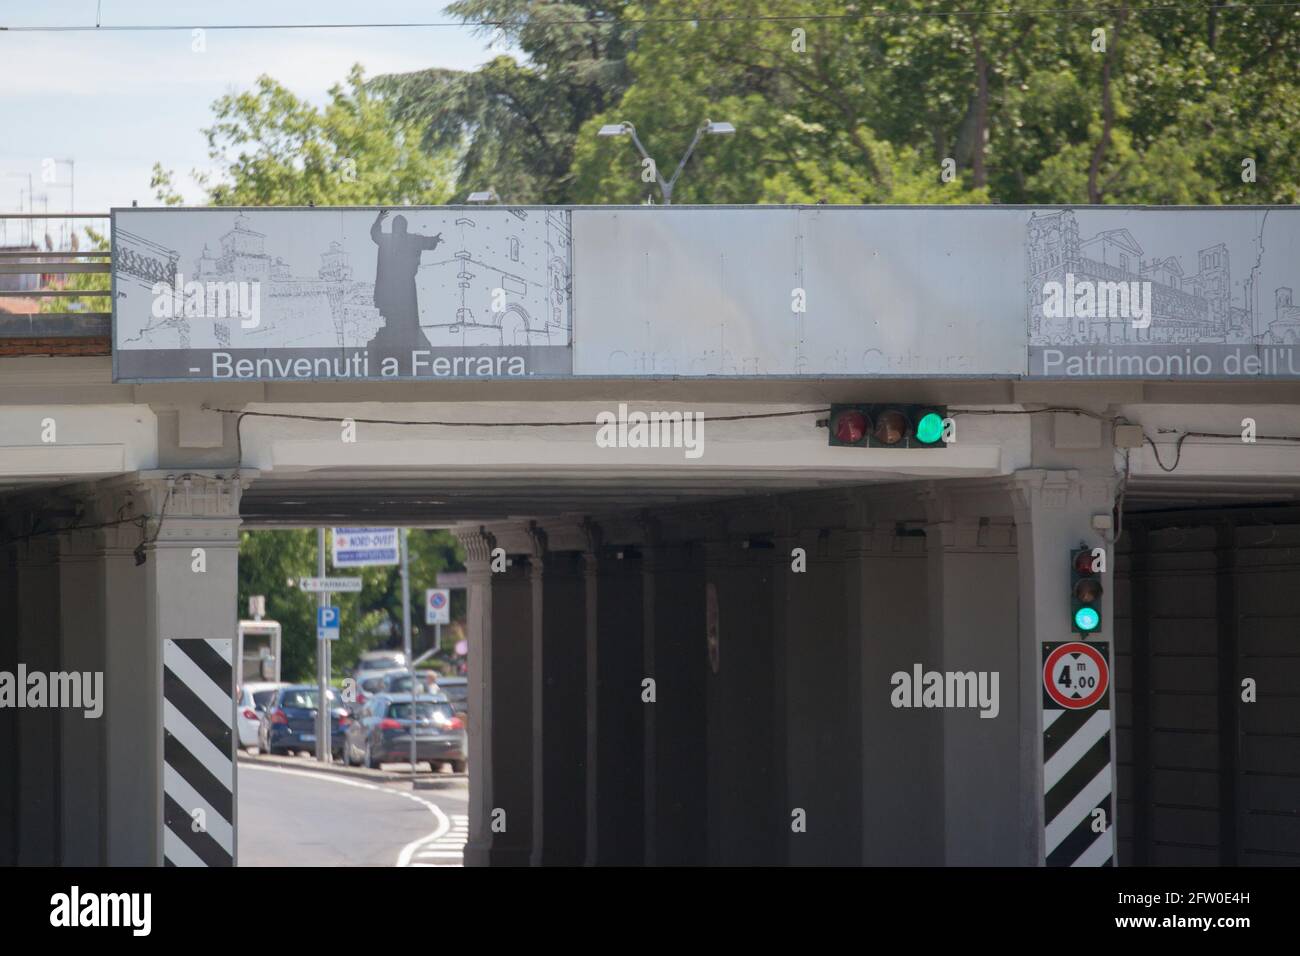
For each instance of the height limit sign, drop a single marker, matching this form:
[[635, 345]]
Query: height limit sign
[[437, 606]]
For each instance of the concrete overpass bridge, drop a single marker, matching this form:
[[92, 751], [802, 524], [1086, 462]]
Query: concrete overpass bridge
[[772, 588]]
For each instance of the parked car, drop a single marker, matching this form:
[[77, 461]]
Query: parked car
[[289, 721], [370, 683], [399, 682], [379, 661], [381, 733], [457, 691], [250, 700]]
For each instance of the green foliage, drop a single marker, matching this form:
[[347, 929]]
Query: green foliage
[[519, 122], [271, 562], [272, 148], [1021, 98]]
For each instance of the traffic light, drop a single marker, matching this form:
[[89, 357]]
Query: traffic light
[[888, 426], [1085, 591]]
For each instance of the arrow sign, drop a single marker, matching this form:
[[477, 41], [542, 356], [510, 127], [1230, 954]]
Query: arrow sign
[[329, 585]]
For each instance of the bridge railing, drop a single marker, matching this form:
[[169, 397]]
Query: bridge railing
[[42, 303]]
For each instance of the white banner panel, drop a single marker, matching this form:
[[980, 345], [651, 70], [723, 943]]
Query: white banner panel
[[645, 291]]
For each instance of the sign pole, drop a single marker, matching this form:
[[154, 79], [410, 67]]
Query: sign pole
[[406, 643], [323, 740]]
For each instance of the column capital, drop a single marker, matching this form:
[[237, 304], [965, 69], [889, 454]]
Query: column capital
[[478, 544]]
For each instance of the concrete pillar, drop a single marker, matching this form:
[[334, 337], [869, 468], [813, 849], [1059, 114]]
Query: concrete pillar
[[559, 708], [191, 565], [9, 765], [83, 749], [818, 694], [746, 825], [133, 704], [974, 625], [615, 754], [675, 742], [1053, 513], [886, 587], [39, 759], [500, 618]]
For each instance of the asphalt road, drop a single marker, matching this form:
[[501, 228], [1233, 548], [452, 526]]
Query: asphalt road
[[308, 818]]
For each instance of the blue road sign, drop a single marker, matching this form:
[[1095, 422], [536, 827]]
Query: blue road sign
[[327, 624]]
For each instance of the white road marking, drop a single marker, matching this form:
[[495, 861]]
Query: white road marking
[[404, 857]]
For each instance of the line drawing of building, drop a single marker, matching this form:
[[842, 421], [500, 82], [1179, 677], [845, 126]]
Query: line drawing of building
[[1184, 308], [517, 258]]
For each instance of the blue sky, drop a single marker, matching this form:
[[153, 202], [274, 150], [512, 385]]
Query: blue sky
[[118, 102]]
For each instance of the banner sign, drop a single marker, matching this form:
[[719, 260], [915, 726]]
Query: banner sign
[[418, 293], [310, 295]]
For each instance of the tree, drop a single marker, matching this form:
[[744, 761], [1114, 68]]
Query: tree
[[519, 122], [273, 148], [271, 562]]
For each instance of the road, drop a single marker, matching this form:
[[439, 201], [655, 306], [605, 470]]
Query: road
[[308, 818]]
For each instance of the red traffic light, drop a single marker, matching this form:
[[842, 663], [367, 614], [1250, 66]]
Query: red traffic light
[[850, 427], [1083, 562]]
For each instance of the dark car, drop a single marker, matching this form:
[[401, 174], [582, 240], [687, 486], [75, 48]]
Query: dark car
[[399, 682], [457, 691], [289, 721], [381, 733]]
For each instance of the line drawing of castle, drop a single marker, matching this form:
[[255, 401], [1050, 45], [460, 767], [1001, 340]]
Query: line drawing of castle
[[526, 254], [1195, 308]]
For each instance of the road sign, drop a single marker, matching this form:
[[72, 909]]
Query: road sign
[[1078, 773], [329, 585], [361, 547], [453, 579], [1075, 675], [327, 623], [437, 606]]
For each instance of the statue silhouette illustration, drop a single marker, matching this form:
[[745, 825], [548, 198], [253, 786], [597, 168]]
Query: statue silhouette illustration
[[397, 261]]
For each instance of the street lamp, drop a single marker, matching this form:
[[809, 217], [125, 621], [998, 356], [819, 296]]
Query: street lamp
[[486, 196], [666, 186]]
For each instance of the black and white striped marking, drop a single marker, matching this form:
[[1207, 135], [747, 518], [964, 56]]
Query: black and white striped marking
[[198, 753], [1078, 776]]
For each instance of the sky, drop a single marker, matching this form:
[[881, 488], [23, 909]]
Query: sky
[[116, 102]]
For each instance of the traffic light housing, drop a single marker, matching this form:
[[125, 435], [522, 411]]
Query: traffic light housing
[[887, 426], [1085, 592]]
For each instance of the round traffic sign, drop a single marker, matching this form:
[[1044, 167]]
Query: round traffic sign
[[437, 600], [1075, 675]]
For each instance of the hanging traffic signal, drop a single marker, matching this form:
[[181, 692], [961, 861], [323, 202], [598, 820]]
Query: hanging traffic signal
[[1085, 591], [888, 426]]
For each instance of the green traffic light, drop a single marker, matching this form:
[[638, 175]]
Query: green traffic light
[[1087, 619], [929, 429]]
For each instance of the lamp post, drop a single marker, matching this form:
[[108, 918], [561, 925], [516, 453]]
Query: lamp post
[[666, 185]]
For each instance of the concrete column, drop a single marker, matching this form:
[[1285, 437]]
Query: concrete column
[[83, 753], [819, 697], [974, 622], [478, 545], [675, 742], [9, 765], [745, 824], [500, 733], [191, 565], [133, 704], [559, 708], [39, 755], [1053, 516], [886, 596], [615, 755]]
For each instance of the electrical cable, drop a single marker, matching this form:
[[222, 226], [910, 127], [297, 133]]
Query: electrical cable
[[863, 15]]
